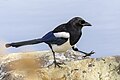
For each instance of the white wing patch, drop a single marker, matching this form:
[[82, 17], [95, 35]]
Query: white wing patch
[[62, 34]]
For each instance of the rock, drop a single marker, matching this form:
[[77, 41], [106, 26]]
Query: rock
[[33, 66]]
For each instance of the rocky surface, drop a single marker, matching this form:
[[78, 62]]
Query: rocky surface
[[33, 66]]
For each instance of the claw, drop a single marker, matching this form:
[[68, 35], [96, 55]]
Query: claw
[[57, 64], [89, 54]]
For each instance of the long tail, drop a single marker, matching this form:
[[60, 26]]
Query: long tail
[[23, 43]]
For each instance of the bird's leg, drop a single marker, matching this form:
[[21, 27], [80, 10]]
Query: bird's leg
[[86, 54], [55, 62]]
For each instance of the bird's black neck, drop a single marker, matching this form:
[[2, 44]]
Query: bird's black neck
[[75, 33]]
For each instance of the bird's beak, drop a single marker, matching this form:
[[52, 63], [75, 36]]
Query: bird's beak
[[86, 24]]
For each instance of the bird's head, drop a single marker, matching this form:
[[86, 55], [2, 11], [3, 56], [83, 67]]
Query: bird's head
[[78, 21]]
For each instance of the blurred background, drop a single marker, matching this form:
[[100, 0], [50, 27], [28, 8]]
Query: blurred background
[[28, 19]]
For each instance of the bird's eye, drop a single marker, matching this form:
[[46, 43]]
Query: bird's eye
[[82, 22]]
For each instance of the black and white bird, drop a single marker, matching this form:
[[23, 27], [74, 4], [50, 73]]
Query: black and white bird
[[62, 38]]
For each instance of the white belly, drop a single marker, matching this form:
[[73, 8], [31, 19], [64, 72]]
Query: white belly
[[62, 48]]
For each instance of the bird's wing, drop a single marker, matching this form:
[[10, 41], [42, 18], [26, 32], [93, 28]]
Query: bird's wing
[[61, 28], [55, 38]]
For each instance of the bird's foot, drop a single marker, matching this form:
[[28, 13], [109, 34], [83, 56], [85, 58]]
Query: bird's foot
[[88, 54], [57, 64]]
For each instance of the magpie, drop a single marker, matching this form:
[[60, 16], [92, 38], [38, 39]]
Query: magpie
[[62, 38]]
